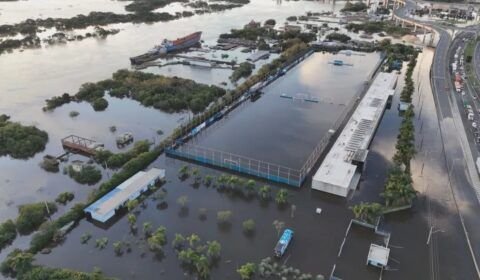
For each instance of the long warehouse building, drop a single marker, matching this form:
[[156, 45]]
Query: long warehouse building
[[105, 207], [341, 169]]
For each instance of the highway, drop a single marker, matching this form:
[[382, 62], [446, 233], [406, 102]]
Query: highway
[[455, 248]]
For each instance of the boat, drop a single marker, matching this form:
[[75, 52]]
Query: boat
[[168, 46], [282, 244]]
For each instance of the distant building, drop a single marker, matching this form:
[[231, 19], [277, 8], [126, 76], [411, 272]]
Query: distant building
[[258, 55], [293, 28]]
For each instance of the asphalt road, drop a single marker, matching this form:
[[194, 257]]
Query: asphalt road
[[476, 60], [464, 240]]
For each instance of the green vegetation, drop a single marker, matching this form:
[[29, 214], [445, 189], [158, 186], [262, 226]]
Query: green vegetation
[[170, 94], [65, 197], [8, 233], [19, 265], [31, 216], [368, 212], [408, 89], [248, 226], [354, 7], [132, 220], [247, 271], [281, 198], [73, 114], [101, 243], [223, 217], [270, 22], [85, 238], [49, 233], [115, 161], [158, 240], [18, 141], [100, 104], [398, 188], [269, 269], [396, 52], [196, 256], [399, 191], [87, 175], [244, 70], [184, 172], [338, 37], [265, 192], [371, 27], [182, 201]]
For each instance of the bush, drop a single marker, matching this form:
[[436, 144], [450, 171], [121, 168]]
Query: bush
[[73, 114], [100, 104], [355, 7], [223, 217], [8, 233], [247, 271], [292, 18], [65, 197], [244, 70], [248, 226], [88, 175], [338, 37], [31, 216], [20, 141]]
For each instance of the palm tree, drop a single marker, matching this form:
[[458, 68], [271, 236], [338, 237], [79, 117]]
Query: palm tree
[[193, 239], [196, 176], [178, 241], [208, 180], [250, 187], [264, 192], [147, 229], [132, 219], [213, 249], [282, 197], [367, 212], [202, 266]]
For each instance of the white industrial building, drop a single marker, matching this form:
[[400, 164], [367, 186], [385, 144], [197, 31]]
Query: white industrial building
[[105, 207], [341, 169]]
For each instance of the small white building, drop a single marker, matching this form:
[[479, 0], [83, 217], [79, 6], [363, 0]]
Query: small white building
[[341, 169], [104, 208], [378, 256]]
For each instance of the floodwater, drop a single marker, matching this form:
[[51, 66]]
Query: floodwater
[[31, 76], [17, 11], [285, 131]]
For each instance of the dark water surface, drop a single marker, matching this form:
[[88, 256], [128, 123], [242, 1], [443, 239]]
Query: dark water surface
[[285, 131]]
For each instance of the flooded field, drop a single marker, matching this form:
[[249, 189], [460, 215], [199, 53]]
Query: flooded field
[[31, 76], [285, 131]]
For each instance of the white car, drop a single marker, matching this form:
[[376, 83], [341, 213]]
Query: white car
[[474, 124]]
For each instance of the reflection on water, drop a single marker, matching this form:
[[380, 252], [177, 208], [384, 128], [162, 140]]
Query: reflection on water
[[30, 77], [285, 131], [16, 11]]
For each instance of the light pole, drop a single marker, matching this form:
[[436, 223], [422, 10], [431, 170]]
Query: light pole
[[432, 232]]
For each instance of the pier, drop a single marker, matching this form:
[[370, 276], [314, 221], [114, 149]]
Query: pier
[[77, 144]]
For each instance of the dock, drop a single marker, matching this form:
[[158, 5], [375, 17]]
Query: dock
[[106, 206], [81, 145], [341, 169]]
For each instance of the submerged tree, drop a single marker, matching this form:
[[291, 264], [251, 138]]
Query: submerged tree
[[247, 271]]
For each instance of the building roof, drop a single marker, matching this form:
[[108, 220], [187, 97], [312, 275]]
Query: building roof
[[337, 168], [124, 191], [378, 255]]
